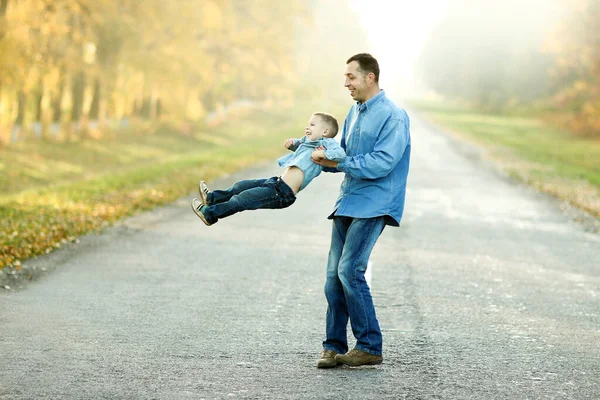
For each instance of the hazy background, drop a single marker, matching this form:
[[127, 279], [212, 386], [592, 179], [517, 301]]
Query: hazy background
[[72, 68], [402, 31]]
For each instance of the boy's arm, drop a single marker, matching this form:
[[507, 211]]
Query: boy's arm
[[333, 151], [295, 143], [328, 155]]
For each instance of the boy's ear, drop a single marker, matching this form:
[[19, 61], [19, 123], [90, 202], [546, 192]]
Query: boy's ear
[[326, 132]]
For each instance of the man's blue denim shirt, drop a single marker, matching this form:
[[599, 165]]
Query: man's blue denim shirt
[[376, 138], [302, 151]]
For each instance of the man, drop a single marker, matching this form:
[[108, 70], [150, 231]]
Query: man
[[376, 138]]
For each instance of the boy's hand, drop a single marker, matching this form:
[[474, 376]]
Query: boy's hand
[[318, 157], [289, 143]]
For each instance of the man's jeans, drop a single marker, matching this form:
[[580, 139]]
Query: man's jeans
[[249, 194], [347, 292]]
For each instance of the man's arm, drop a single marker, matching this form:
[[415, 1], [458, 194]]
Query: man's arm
[[318, 157], [329, 156], [333, 151]]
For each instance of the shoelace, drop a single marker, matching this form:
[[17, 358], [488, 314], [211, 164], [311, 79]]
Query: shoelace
[[353, 352], [327, 353]]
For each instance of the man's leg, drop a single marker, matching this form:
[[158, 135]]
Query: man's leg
[[221, 196], [336, 319], [337, 312], [361, 236]]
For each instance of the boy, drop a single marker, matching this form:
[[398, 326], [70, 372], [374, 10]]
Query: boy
[[278, 191]]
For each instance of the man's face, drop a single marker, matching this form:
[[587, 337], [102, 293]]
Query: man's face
[[315, 128], [356, 82]]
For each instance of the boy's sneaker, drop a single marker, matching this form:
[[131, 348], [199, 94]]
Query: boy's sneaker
[[198, 207], [355, 357], [327, 359], [204, 192]]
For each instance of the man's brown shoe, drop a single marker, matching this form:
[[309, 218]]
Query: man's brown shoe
[[355, 357], [327, 359]]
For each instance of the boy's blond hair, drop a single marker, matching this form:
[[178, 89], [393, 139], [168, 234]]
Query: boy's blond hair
[[330, 120]]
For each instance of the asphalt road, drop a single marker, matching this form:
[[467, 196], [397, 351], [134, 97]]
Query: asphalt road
[[488, 290]]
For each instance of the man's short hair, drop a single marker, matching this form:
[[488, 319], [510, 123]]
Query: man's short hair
[[329, 120], [366, 63]]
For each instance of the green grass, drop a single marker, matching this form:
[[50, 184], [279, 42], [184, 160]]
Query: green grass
[[549, 158], [50, 193]]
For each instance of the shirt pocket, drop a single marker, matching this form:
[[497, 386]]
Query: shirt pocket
[[368, 138]]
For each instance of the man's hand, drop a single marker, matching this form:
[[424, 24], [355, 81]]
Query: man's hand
[[289, 143], [318, 157]]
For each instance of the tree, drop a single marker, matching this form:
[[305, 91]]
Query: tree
[[576, 44], [76, 60]]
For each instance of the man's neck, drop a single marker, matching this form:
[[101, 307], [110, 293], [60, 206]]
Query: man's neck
[[372, 93]]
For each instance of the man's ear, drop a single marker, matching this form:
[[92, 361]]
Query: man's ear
[[371, 77]]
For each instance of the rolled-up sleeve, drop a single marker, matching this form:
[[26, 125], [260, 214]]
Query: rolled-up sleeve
[[334, 151]]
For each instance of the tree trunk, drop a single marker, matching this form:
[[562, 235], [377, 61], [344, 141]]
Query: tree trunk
[[102, 110], [46, 109], [140, 98], [5, 129], [96, 98], [66, 105], [39, 95], [36, 115], [99, 106], [4, 132], [10, 109], [3, 7], [84, 122], [77, 98], [153, 112], [57, 102], [119, 99], [21, 109]]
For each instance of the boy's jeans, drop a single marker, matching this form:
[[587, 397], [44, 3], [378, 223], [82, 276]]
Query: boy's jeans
[[346, 290], [250, 194]]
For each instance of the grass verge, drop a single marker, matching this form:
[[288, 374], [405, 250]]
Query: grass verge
[[552, 160], [51, 193]]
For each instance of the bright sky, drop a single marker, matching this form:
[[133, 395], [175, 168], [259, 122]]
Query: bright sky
[[397, 30]]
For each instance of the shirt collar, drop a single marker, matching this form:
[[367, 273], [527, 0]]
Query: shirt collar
[[371, 102]]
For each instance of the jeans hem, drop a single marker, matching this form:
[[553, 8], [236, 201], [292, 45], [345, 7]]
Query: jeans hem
[[367, 350], [333, 349]]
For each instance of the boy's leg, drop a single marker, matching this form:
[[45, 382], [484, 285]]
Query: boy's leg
[[361, 236], [273, 193], [220, 196]]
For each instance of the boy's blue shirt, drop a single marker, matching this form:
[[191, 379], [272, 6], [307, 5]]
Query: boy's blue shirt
[[376, 139], [300, 157]]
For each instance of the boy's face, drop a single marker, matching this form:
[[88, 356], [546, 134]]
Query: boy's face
[[316, 128]]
